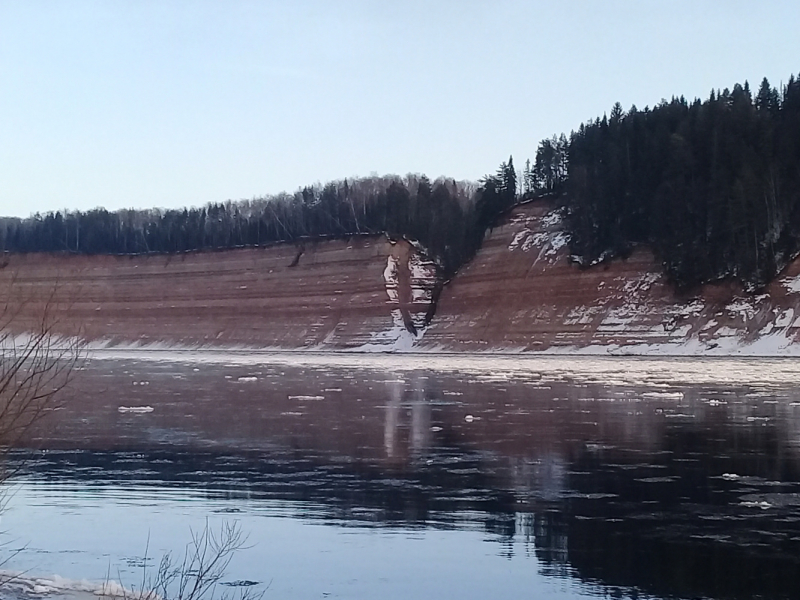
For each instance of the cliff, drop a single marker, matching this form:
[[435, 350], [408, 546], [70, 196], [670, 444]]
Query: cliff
[[522, 292], [365, 292]]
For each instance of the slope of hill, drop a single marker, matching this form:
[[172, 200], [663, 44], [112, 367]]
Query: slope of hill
[[522, 292], [365, 292]]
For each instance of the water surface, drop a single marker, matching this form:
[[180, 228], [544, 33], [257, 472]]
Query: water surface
[[426, 477]]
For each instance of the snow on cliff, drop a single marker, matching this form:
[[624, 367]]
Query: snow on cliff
[[523, 292], [409, 279], [317, 295]]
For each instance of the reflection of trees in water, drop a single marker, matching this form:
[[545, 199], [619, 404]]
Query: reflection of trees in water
[[596, 481], [673, 525], [542, 478], [606, 516], [407, 405], [656, 515]]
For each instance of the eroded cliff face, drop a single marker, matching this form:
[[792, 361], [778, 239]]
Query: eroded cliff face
[[365, 292], [522, 292]]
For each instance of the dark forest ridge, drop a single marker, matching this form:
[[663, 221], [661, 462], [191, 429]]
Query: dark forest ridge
[[713, 187]]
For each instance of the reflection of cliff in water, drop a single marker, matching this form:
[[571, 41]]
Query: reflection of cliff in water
[[674, 527], [691, 496]]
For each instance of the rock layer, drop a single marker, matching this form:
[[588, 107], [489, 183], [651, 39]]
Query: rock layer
[[366, 290], [523, 292]]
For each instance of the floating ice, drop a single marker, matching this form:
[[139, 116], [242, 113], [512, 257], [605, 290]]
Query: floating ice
[[664, 395], [762, 505]]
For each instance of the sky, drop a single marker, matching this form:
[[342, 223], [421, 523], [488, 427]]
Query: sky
[[171, 103]]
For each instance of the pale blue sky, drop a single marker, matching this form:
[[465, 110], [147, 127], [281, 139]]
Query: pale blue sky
[[178, 103]]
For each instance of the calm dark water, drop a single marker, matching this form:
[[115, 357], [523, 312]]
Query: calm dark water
[[426, 477]]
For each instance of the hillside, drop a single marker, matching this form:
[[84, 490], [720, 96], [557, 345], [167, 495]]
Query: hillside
[[338, 294], [522, 292]]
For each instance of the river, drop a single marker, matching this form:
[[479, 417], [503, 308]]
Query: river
[[422, 476]]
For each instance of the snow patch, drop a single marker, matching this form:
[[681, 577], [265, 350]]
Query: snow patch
[[692, 309], [552, 219], [710, 325], [548, 241], [519, 239], [741, 308], [396, 339], [24, 586], [423, 278], [392, 280], [785, 318], [581, 315], [792, 284], [642, 284]]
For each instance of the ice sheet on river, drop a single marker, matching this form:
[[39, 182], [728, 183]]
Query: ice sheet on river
[[22, 586]]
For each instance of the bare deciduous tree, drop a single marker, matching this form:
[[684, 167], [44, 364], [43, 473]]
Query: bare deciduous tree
[[194, 576], [35, 362]]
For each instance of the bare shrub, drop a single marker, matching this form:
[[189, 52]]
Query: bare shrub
[[195, 575], [36, 363]]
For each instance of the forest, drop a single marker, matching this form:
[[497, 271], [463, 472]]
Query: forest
[[446, 217], [436, 214], [712, 187]]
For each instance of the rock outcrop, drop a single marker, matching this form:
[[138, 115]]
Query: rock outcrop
[[524, 293], [367, 292]]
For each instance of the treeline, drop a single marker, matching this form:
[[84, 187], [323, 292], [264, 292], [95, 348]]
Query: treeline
[[440, 215], [712, 186]]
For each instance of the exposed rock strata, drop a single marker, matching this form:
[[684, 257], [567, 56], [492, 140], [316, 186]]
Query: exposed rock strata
[[523, 292], [323, 294]]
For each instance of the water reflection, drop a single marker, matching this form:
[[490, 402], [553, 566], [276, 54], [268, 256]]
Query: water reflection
[[689, 490], [408, 406]]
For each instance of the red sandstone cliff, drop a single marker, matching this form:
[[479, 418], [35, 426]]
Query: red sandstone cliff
[[521, 292], [320, 294]]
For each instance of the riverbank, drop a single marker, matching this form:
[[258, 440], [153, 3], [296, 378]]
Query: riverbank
[[521, 293]]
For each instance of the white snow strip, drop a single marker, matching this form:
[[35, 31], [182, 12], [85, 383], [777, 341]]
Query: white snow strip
[[552, 219], [60, 587], [792, 284]]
